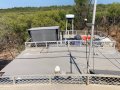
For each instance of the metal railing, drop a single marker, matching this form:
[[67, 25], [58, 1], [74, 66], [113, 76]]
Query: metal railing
[[70, 32], [83, 32], [69, 43], [61, 79]]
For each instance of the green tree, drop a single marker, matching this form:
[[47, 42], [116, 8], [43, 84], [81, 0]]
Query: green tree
[[114, 13], [80, 10]]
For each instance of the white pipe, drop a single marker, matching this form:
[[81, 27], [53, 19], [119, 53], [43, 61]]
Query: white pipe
[[92, 34], [93, 22], [72, 27], [66, 25]]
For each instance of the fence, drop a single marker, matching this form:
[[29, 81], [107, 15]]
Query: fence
[[61, 79], [69, 43], [83, 32]]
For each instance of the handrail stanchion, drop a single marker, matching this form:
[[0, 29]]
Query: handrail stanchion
[[35, 44], [57, 44], [50, 79], [14, 81], [46, 44], [87, 80], [68, 43]]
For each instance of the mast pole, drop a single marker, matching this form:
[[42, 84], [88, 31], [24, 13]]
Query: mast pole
[[66, 26], [93, 23], [92, 34]]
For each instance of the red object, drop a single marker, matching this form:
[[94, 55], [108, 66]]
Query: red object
[[84, 37]]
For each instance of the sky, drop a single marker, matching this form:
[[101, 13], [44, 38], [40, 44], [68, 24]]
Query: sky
[[39, 3]]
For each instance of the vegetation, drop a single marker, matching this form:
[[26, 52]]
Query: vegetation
[[15, 22], [81, 12]]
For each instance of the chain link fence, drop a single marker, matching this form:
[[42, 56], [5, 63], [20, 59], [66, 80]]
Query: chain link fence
[[61, 79]]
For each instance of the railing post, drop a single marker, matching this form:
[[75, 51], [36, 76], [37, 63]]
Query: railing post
[[35, 44], [50, 80], [57, 43], [61, 43], [68, 43], [14, 81], [68, 33], [87, 81], [80, 43], [46, 44]]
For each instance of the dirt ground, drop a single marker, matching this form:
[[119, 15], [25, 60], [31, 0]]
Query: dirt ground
[[115, 34], [8, 54]]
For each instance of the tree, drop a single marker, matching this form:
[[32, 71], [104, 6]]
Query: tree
[[81, 11], [114, 13]]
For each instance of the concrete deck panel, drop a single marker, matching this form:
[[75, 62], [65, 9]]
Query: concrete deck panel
[[42, 61]]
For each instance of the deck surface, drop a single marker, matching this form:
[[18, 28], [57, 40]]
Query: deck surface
[[42, 61], [59, 87]]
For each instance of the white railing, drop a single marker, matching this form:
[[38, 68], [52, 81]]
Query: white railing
[[54, 43], [68, 34], [61, 79], [69, 43], [104, 44], [71, 32]]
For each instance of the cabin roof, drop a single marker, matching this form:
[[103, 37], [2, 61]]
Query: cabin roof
[[44, 28]]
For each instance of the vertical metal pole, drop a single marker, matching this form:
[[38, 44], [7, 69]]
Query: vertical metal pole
[[93, 60], [68, 43], [35, 44], [93, 22], [72, 26], [92, 36], [66, 25], [14, 80], [92, 32], [57, 44], [87, 79], [50, 79], [70, 64], [46, 44]]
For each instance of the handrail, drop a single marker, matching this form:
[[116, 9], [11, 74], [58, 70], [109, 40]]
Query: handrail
[[69, 43]]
